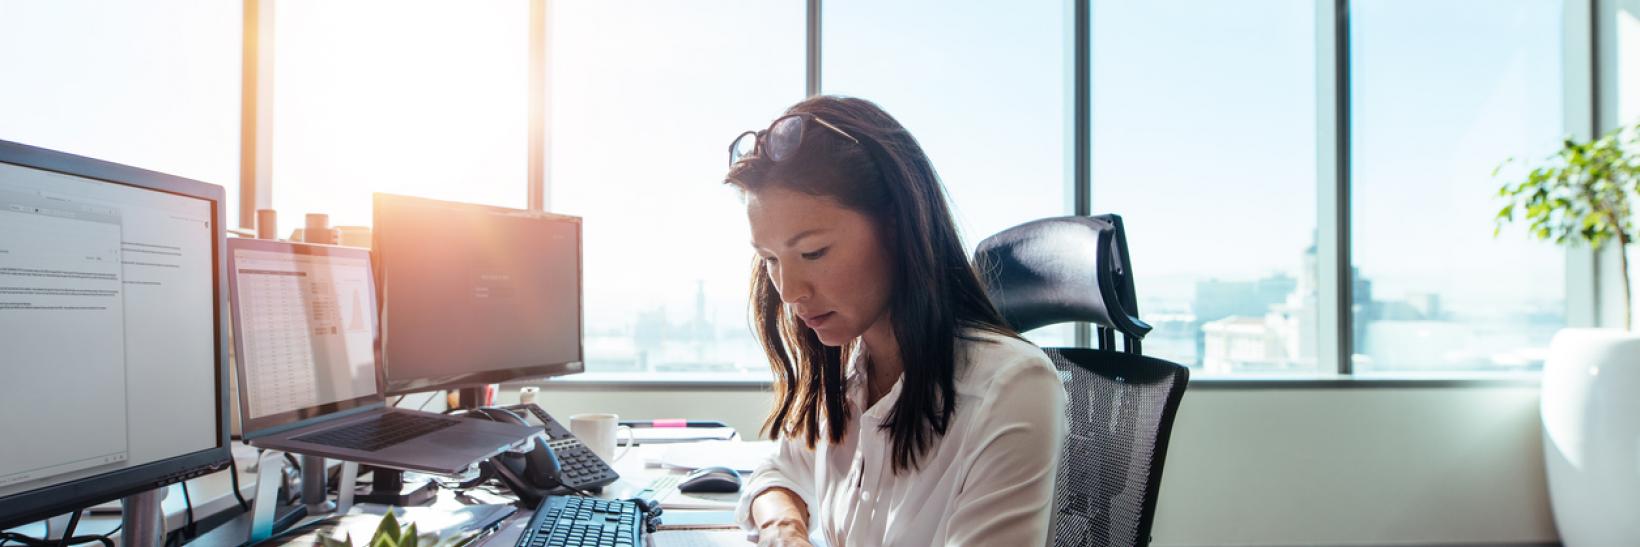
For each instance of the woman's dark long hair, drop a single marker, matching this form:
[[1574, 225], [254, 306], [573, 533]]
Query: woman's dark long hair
[[934, 293]]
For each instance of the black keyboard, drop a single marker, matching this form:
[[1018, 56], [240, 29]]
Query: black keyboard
[[573, 520], [380, 432]]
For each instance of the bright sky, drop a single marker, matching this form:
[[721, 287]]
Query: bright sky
[[1204, 122]]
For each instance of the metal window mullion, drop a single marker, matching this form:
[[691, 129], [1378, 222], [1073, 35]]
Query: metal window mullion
[[255, 111], [1335, 296], [811, 47], [540, 140], [1580, 89], [1081, 177]]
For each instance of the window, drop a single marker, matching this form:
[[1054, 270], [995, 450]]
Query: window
[[645, 97], [984, 88], [150, 84], [1204, 140], [425, 98], [1443, 92]]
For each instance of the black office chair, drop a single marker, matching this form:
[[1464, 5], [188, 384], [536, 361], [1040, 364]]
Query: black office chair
[[1120, 404]]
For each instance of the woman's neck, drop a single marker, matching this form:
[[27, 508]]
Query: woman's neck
[[882, 361]]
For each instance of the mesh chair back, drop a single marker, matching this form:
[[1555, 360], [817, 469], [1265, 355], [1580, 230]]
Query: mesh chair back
[[1119, 414], [1120, 405]]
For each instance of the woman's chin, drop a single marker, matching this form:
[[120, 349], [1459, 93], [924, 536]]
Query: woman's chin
[[832, 338]]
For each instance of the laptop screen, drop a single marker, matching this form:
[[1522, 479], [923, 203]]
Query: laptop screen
[[305, 330]]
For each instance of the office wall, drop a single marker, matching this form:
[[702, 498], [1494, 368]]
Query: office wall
[[1321, 466], [1356, 466]]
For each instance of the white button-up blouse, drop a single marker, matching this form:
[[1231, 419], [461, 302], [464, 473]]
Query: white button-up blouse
[[988, 481]]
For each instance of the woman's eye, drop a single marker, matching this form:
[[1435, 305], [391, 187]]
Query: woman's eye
[[816, 254]]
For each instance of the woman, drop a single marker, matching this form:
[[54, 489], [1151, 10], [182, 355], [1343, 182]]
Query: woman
[[907, 413]]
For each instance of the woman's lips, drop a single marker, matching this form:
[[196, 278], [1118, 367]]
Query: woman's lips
[[814, 321]]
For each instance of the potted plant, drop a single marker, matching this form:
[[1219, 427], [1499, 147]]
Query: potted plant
[[389, 534], [1590, 401]]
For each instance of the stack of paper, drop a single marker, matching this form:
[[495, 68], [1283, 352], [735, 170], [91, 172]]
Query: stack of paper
[[659, 435], [741, 456]]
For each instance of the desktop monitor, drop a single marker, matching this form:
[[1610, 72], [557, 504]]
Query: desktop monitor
[[112, 332], [474, 295]]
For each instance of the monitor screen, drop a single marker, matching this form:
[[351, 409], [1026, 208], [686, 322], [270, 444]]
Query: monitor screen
[[110, 327], [305, 327], [474, 294]]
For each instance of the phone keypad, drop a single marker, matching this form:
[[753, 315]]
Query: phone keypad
[[580, 466]]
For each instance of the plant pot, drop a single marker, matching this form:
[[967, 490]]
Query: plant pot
[[1591, 435]]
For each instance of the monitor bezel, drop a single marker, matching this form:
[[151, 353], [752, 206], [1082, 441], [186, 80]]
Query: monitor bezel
[[404, 386], [47, 501], [253, 428]]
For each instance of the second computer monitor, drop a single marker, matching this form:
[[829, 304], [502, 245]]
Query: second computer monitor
[[474, 295]]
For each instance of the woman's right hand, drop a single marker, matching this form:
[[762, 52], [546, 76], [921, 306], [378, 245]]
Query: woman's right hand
[[783, 536], [782, 519]]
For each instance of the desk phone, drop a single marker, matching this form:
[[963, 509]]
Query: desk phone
[[580, 466]]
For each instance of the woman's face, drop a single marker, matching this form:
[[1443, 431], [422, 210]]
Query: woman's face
[[827, 261]]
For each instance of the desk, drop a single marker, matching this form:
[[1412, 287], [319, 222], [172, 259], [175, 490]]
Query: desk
[[635, 476], [212, 495]]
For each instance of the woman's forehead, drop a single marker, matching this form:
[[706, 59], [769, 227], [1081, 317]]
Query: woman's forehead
[[778, 217]]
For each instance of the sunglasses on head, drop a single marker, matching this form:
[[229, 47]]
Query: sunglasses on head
[[781, 139]]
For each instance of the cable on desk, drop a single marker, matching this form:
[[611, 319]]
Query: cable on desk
[[68, 536], [73, 522], [188, 501], [233, 475], [37, 542]]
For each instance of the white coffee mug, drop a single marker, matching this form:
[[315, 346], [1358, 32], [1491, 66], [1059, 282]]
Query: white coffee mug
[[599, 431]]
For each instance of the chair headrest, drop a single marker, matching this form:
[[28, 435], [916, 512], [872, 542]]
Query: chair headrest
[[1062, 269]]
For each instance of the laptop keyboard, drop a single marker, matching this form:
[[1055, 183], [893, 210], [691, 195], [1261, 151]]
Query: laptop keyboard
[[380, 432]]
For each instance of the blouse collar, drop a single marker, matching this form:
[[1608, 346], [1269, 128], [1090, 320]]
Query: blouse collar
[[855, 380]]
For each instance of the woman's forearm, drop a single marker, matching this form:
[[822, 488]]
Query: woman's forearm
[[780, 509]]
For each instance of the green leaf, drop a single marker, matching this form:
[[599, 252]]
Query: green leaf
[[407, 538], [388, 528]]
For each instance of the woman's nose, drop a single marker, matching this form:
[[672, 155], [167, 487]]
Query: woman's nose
[[792, 288]]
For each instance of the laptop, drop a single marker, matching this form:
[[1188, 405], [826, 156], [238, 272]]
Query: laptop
[[308, 350]]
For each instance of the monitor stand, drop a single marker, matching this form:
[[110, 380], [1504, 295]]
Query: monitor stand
[[141, 520], [313, 485], [469, 398], [387, 487]]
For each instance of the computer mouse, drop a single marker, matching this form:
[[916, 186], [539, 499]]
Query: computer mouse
[[711, 479]]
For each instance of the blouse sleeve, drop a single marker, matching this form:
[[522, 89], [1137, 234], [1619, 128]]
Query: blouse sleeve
[[1006, 496], [791, 467]]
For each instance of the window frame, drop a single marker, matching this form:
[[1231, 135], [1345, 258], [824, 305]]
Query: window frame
[[1585, 74]]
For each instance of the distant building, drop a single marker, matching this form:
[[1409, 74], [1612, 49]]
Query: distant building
[[1174, 336], [1267, 331], [1216, 299], [1240, 343]]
